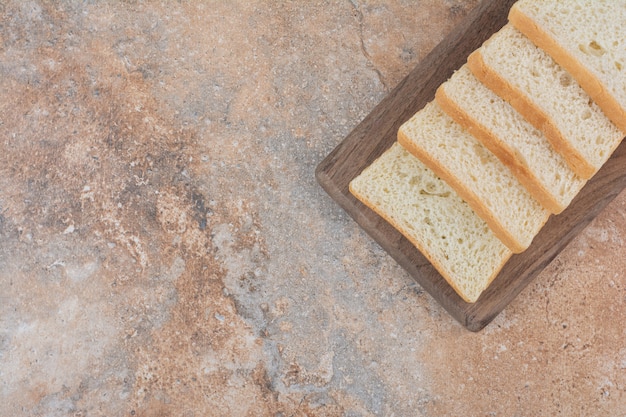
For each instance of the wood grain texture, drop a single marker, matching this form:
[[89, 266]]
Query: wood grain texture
[[378, 131]]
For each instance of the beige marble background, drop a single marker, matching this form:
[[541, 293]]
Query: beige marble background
[[165, 249]]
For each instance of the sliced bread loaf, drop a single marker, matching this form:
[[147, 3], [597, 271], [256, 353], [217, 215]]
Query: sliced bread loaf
[[434, 218], [475, 174], [522, 148], [588, 39], [547, 96]]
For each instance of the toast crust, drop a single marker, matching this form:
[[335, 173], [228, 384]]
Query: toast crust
[[594, 87]]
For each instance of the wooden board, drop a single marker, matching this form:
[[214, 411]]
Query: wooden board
[[378, 131]]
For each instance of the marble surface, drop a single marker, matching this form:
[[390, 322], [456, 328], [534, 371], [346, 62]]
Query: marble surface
[[165, 249]]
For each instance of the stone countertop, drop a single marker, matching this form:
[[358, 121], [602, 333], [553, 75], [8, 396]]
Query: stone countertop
[[166, 250]]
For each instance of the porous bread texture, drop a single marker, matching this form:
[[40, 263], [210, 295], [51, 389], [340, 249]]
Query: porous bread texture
[[475, 173], [548, 97], [521, 147], [434, 218], [587, 38]]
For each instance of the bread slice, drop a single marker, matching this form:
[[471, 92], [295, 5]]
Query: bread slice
[[475, 174], [422, 207], [547, 96], [588, 39], [502, 130]]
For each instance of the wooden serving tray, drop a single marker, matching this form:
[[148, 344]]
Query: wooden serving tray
[[378, 131]]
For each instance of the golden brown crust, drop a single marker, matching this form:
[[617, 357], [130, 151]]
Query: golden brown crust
[[501, 150], [587, 80], [472, 200], [527, 108]]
